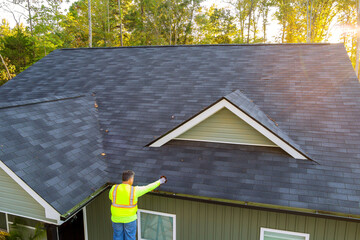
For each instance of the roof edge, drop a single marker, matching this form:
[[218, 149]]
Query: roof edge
[[84, 203], [50, 211], [205, 45], [263, 206]]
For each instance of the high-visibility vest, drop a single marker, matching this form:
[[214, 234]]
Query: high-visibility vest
[[124, 202]]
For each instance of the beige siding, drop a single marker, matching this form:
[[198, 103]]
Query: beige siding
[[17, 201], [224, 126], [206, 221]]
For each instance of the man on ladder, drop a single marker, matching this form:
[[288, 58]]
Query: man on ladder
[[124, 198]]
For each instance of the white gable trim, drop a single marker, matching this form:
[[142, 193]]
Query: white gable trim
[[50, 212], [215, 108]]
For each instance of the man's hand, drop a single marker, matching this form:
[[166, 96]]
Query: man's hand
[[163, 180]]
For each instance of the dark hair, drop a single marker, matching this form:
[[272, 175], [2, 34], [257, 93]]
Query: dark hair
[[127, 175]]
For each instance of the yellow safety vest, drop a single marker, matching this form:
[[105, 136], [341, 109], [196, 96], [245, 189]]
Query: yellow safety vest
[[124, 202]]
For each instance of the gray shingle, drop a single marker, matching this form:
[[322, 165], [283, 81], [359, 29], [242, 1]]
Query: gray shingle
[[310, 91]]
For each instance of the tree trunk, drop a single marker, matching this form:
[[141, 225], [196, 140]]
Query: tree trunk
[[31, 28], [189, 26], [90, 26], [251, 7], [108, 15], [265, 17], [7, 70], [30, 18], [358, 41], [121, 32]]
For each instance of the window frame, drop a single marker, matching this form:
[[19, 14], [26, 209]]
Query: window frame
[[155, 213], [297, 234], [7, 223]]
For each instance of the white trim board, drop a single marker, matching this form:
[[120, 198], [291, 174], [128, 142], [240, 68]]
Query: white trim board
[[263, 230], [155, 213], [32, 218], [215, 108], [50, 212], [86, 234], [7, 222]]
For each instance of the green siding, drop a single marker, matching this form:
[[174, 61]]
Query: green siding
[[206, 221], [98, 218], [225, 126], [15, 200]]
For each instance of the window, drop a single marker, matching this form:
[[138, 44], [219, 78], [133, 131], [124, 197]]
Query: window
[[28, 228], [3, 222], [273, 234], [156, 225]]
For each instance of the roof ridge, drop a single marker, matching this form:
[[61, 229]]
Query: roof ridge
[[203, 45], [39, 100]]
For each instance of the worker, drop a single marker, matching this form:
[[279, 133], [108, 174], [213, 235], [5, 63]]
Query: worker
[[124, 198]]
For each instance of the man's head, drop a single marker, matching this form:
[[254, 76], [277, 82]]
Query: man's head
[[128, 177]]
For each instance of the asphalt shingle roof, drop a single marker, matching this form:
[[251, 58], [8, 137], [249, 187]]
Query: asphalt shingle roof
[[54, 145], [251, 109], [311, 91]]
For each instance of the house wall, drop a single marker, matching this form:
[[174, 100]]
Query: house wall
[[15, 200], [207, 221], [225, 126]]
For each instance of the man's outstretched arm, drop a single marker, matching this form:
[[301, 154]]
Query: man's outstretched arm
[[141, 190]]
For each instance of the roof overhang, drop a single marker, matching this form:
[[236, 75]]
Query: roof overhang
[[50, 212]]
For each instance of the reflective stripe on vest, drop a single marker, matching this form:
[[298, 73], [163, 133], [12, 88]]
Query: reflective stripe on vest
[[131, 200]]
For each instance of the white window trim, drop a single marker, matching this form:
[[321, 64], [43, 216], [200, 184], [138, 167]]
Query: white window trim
[[155, 213], [263, 230], [50, 212], [215, 108], [22, 225], [6, 223]]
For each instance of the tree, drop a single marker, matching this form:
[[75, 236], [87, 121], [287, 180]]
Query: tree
[[357, 67], [18, 48], [90, 25], [47, 30], [347, 18], [294, 19], [7, 70], [216, 26]]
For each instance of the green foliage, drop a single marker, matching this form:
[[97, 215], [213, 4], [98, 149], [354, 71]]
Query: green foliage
[[347, 17], [18, 48], [292, 16], [164, 22], [20, 232], [216, 26]]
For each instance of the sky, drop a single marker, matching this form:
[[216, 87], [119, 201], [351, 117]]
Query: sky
[[273, 27]]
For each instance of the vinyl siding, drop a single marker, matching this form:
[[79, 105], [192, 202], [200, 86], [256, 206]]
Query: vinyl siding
[[98, 218], [207, 221], [225, 126], [15, 200]]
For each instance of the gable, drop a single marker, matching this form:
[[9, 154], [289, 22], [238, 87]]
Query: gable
[[258, 121], [225, 127], [15, 200]]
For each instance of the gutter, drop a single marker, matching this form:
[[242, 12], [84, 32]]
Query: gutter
[[261, 206], [66, 216]]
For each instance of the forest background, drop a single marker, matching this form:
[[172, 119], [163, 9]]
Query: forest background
[[31, 29]]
